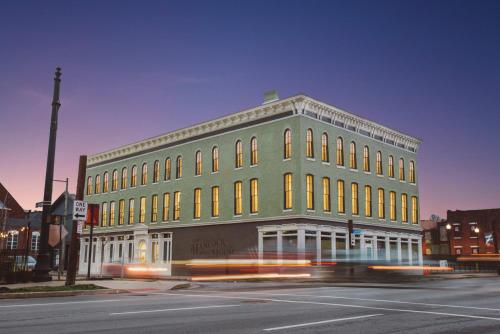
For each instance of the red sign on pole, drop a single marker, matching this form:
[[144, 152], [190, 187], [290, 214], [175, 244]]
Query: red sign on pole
[[92, 215]]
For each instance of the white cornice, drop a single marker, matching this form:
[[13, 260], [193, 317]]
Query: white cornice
[[299, 104]]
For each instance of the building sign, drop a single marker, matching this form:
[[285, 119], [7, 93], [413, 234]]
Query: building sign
[[211, 248]]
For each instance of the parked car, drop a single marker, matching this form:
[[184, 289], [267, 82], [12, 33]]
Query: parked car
[[30, 262]]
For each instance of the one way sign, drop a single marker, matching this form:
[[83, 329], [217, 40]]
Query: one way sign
[[79, 210]]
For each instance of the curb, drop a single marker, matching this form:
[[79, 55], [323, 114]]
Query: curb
[[24, 295]]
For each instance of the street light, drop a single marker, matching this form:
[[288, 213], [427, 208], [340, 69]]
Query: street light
[[476, 230], [448, 234]]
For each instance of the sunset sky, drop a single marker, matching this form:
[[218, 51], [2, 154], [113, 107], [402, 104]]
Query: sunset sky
[[134, 69]]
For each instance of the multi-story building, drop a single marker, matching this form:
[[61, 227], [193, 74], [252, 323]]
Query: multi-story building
[[473, 231], [285, 176]]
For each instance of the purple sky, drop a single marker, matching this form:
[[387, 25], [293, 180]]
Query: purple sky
[[136, 69]]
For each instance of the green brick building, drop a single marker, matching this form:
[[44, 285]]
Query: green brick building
[[285, 176]]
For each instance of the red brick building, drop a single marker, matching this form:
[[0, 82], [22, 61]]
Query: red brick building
[[473, 231]]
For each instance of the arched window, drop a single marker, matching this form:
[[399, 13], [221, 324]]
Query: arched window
[[121, 212], [168, 168], [105, 182], [197, 204], [197, 168], [166, 206], [288, 191], [97, 188], [404, 208], [325, 156], [340, 151], [89, 185], [215, 201], [392, 205], [353, 163], [254, 152], [309, 144], [112, 213], [114, 181], [401, 169], [414, 210], [237, 198], [340, 196], [412, 171], [310, 192], [287, 138], [368, 201], [144, 174], [238, 154], [35, 241], [177, 205], [178, 167], [12, 239], [154, 208], [133, 177], [381, 203], [354, 199], [326, 195], [366, 159], [379, 163], [124, 178], [254, 196], [131, 211], [156, 171], [142, 210], [104, 214], [391, 166], [215, 159]]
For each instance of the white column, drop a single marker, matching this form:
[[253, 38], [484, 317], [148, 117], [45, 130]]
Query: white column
[[318, 246], [301, 243], [399, 250], [362, 246], [387, 248], [420, 256], [375, 247], [410, 255], [279, 245], [347, 245], [260, 244], [334, 246]]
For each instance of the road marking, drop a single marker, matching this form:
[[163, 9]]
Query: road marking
[[320, 322], [174, 309], [63, 303], [339, 305], [375, 300]]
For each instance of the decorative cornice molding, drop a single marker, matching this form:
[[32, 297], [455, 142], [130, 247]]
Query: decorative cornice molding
[[299, 104]]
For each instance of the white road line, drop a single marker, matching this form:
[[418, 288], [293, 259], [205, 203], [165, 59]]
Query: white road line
[[320, 322], [174, 309], [376, 300], [63, 303], [339, 305]]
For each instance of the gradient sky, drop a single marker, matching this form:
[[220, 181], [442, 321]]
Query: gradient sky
[[134, 69]]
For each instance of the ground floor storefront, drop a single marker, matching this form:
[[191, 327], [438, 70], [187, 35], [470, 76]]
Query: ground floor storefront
[[166, 250]]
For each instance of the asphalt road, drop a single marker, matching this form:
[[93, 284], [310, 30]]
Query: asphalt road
[[458, 306]]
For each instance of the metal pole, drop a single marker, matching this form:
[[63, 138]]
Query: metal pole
[[42, 268], [62, 242], [90, 242], [75, 241], [26, 248]]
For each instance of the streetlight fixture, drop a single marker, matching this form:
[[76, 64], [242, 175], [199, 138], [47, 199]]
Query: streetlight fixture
[[448, 234]]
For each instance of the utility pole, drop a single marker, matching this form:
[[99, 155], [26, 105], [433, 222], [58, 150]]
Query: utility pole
[[75, 241], [42, 268]]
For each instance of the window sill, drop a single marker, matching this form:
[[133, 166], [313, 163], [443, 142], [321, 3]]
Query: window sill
[[380, 175], [254, 214], [238, 168], [216, 172], [340, 166], [197, 175], [237, 216], [310, 159], [255, 165], [325, 163], [287, 210], [353, 169], [166, 180], [368, 173], [287, 159]]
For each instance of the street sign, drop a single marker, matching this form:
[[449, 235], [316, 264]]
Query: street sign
[[79, 210], [41, 204], [79, 228], [93, 215], [357, 231], [353, 240]]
